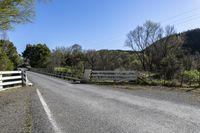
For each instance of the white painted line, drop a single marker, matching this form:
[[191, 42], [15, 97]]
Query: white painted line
[[48, 112]]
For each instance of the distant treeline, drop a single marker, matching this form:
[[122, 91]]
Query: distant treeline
[[164, 53], [74, 59]]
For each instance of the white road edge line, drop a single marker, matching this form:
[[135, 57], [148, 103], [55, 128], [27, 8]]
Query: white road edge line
[[48, 112]]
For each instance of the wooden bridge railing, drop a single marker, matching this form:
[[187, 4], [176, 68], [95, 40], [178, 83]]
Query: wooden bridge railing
[[111, 75]]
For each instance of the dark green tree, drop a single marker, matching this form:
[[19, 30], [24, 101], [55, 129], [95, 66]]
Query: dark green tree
[[9, 58], [10, 50], [37, 55], [5, 63]]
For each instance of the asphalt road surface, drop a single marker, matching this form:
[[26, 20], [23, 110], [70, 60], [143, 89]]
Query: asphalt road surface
[[77, 108]]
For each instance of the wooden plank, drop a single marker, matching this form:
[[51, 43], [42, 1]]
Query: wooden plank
[[113, 72], [10, 83], [10, 72], [114, 79], [1, 86], [99, 75], [11, 77], [114, 75]]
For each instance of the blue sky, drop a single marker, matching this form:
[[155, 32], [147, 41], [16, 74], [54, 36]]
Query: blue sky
[[101, 24]]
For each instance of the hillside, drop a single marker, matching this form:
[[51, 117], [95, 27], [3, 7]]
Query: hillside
[[192, 40]]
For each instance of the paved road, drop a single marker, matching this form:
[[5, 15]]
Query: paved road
[[80, 108]]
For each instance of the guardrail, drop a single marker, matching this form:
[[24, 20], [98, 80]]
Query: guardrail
[[61, 75], [114, 75], [13, 79], [90, 75]]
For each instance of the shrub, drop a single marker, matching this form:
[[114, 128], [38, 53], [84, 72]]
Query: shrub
[[192, 76]]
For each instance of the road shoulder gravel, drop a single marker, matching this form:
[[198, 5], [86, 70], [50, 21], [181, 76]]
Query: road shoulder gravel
[[21, 112], [15, 110]]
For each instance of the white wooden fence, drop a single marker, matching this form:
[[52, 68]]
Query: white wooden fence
[[114, 75], [13, 79]]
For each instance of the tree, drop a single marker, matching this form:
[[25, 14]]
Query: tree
[[91, 58], [145, 41], [162, 47], [37, 55], [15, 12], [141, 38], [9, 58], [62, 56], [169, 66], [76, 48], [58, 56], [110, 60], [6, 63], [10, 50]]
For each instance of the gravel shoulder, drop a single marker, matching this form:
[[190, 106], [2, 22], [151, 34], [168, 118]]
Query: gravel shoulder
[[21, 112], [15, 110]]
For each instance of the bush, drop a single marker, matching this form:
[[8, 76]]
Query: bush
[[63, 69], [192, 76]]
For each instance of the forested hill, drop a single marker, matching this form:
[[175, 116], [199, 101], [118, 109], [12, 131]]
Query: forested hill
[[189, 41], [118, 51], [192, 40]]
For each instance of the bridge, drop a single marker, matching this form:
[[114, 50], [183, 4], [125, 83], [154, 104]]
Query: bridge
[[62, 107]]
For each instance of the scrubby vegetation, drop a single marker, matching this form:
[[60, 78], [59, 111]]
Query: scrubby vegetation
[[167, 58]]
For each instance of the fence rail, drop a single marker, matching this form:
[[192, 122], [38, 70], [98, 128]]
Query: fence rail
[[61, 75], [12, 79], [114, 75]]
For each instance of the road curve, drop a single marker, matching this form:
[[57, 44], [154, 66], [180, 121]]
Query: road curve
[[92, 109]]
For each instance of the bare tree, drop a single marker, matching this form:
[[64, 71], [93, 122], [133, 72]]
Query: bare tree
[[91, 57], [150, 42], [140, 40]]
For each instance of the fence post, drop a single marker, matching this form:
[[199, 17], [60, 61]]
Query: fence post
[[87, 74], [1, 86], [24, 78], [22, 73]]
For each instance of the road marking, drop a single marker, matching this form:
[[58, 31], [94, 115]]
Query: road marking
[[48, 112]]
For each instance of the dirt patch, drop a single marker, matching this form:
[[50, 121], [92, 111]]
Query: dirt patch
[[15, 114]]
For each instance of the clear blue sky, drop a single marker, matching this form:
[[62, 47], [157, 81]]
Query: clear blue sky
[[101, 24]]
